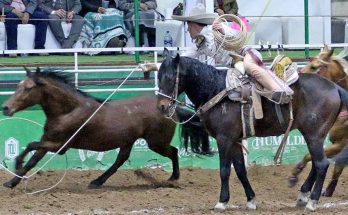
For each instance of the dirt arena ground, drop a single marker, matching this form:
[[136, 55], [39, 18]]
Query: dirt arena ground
[[146, 191]]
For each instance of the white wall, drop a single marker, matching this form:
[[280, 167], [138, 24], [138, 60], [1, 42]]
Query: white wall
[[289, 8], [284, 7], [292, 10]]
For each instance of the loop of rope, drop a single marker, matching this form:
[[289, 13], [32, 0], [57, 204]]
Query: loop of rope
[[231, 43]]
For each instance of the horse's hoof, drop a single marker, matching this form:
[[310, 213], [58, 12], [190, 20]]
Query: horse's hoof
[[302, 199], [292, 181], [220, 207], [311, 205], [9, 184], [95, 184], [173, 178], [327, 193], [251, 205]]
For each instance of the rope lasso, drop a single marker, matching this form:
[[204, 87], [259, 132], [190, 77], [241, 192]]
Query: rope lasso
[[230, 43]]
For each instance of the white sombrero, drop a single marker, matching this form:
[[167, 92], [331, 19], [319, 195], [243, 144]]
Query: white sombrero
[[198, 14]]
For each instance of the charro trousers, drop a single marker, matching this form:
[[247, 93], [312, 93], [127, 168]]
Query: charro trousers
[[38, 18], [264, 77]]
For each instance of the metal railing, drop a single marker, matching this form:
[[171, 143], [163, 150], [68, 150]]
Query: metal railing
[[76, 70]]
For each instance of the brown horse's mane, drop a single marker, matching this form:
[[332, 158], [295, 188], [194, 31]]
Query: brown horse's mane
[[342, 62], [64, 78]]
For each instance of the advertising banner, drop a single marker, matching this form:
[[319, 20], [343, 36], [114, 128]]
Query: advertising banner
[[27, 126]]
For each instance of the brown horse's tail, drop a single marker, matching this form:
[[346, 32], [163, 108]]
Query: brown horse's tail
[[344, 96], [341, 158], [193, 131]]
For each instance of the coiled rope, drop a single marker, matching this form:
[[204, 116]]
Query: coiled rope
[[228, 42]]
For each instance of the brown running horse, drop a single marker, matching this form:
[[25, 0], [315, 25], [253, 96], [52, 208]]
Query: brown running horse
[[118, 124], [335, 69]]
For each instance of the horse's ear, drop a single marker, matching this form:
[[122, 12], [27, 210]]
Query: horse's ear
[[166, 53], [176, 60], [29, 73], [331, 52], [36, 77], [326, 48]]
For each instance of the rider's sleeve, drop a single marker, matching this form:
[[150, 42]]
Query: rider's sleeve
[[192, 53]]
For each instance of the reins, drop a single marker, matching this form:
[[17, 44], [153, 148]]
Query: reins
[[174, 101]]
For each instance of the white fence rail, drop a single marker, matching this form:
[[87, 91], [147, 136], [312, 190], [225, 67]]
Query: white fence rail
[[78, 51]]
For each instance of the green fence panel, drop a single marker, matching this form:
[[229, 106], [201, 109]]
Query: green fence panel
[[26, 126]]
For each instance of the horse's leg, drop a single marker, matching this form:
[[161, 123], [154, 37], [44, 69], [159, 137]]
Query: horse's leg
[[239, 167], [164, 148], [320, 165], [123, 155], [293, 179], [333, 183], [185, 135], [19, 162], [30, 147], [224, 147], [38, 155], [205, 143], [306, 188], [330, 151]]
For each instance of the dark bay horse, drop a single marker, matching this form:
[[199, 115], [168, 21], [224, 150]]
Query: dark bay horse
[[334, 68], [316, 105], [118, 124]]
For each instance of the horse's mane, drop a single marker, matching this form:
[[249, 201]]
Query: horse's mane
[[203, 69], [342, 62], [63, 78]]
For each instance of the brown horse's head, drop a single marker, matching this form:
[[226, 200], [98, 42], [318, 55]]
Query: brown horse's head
[[28, 93], [328, 66]]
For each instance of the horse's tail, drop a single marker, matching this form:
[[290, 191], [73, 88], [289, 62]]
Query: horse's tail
[[193, 131], [344, 96], [342, 157]]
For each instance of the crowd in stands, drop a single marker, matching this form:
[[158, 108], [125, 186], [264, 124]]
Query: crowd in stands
[[95, 23]]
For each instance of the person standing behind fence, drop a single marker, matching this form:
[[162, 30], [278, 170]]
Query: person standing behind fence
[[226, 7], [24, 12], [64, 10], [147, 11]]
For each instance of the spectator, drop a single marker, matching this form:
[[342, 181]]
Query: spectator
[[94, 5], [64, 10], [104, 26], [24, 12], [226, 7], [147, 10]]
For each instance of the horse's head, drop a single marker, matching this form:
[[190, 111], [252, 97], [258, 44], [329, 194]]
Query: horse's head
[[327, 65], [321, 64], [169, 87], [28, 93]]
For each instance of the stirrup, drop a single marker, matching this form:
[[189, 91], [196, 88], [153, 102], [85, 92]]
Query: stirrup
[[276, 96]]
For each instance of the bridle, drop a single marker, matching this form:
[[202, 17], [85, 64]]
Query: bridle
[[174, 100]]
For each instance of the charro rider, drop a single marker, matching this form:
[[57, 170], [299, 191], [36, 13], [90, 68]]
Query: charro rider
[[201, 27]]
